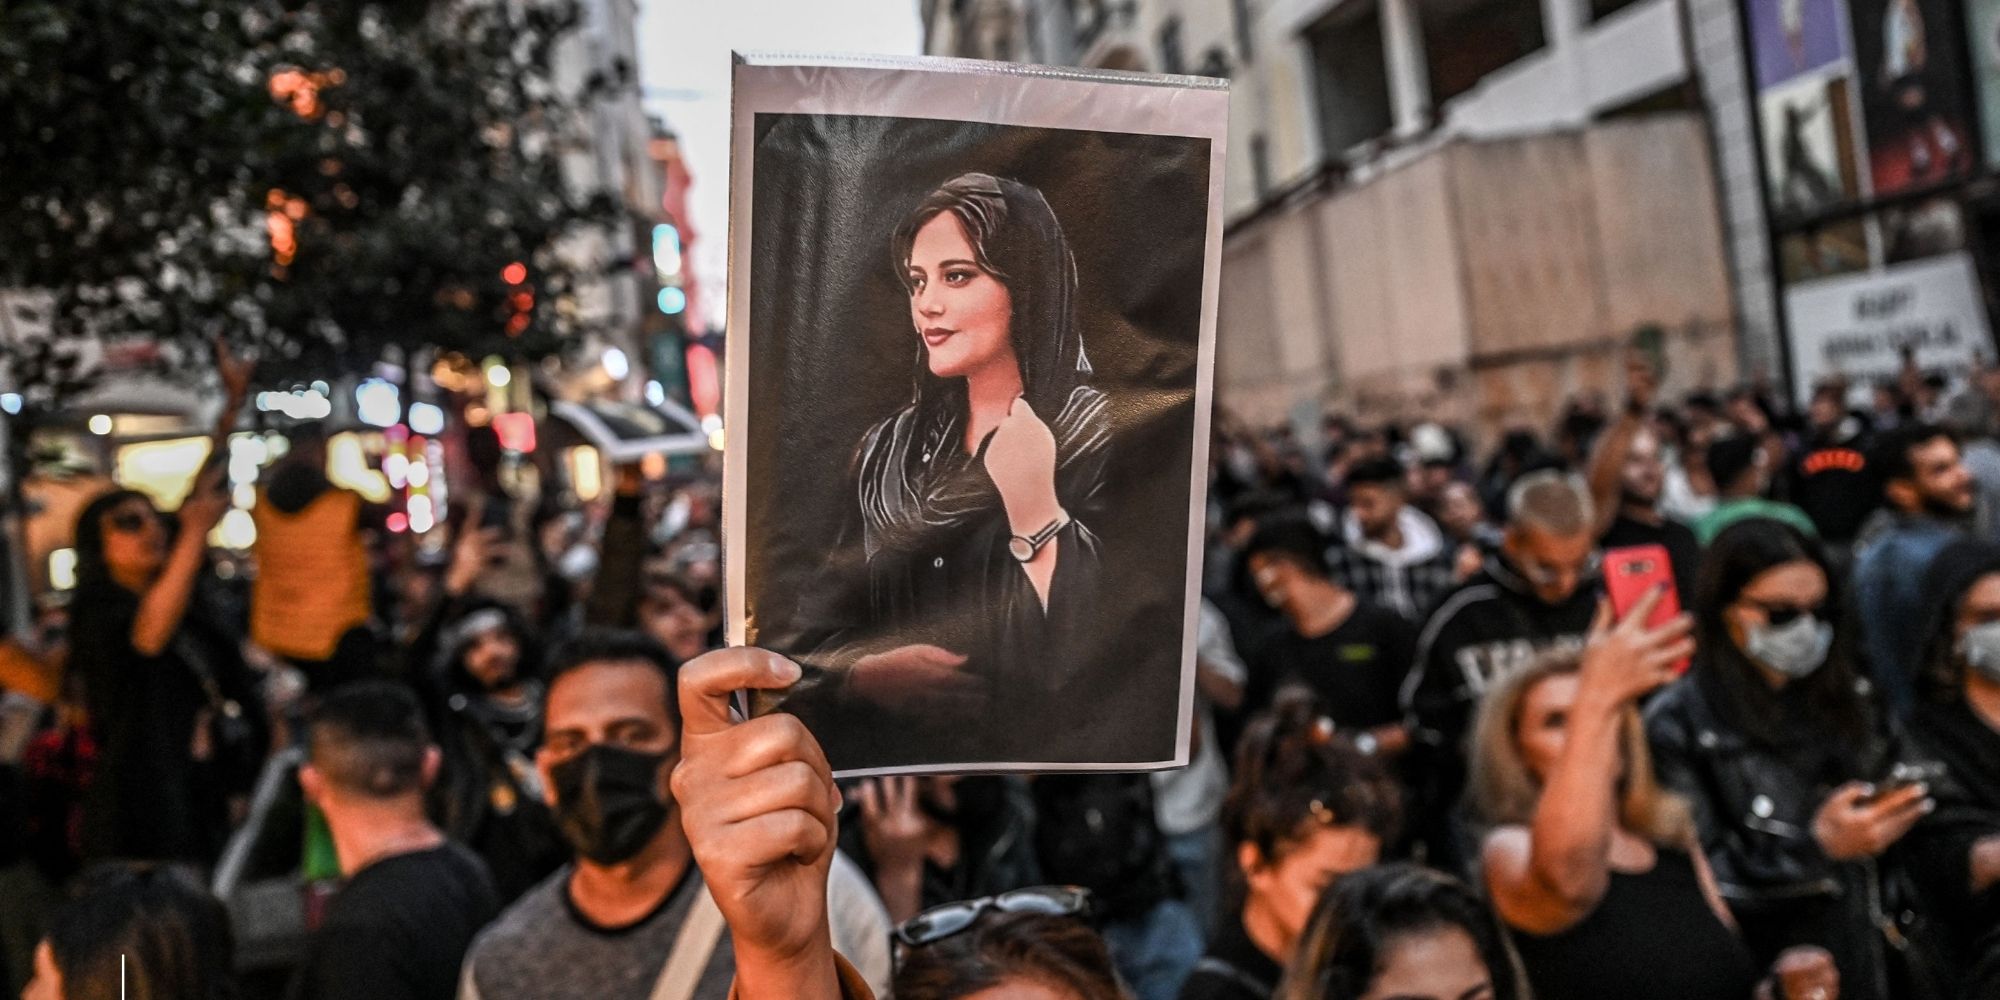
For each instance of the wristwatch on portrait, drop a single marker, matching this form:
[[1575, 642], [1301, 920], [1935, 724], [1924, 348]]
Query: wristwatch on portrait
[[1024, 548]]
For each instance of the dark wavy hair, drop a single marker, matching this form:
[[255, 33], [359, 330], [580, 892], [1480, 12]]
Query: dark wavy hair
[[1044, 948], [1294, 773], [153, 928], [1743, 552], [92, 573], [1362, 916], [1017, 239]]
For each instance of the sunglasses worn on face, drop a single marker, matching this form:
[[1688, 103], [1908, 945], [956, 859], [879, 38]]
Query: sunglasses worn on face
[[130, 522], [1544, 574], [1780, 615], [940, 922]]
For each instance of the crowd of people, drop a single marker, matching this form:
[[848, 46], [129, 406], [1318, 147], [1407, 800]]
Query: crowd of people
[[1438, 750]]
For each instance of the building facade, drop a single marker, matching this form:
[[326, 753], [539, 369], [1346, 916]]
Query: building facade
[[1464, 208]]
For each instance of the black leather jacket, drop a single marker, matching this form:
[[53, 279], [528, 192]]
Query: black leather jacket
[[1754, 808]]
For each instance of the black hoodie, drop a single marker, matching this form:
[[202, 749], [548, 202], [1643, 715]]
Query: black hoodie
[[1491, 625], [1944, 729]]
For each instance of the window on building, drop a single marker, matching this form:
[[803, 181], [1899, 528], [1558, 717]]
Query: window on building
[[1465, 40], [1246, 30], [1172, 58], [1351, 77], [1260, 165]]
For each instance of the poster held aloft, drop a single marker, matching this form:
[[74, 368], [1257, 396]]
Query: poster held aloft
[[972, 315]]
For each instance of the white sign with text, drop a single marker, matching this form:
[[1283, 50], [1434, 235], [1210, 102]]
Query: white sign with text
[[1857, 325]]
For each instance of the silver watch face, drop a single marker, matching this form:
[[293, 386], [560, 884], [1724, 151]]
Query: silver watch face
[[1020, 548]]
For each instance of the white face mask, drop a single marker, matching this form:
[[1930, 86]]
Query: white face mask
[[1796, 649], [1980, 649]]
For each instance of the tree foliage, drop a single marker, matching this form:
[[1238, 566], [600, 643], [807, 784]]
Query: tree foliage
[[318, 179]]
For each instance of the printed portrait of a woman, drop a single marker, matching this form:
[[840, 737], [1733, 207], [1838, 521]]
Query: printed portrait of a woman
[[973, 501]]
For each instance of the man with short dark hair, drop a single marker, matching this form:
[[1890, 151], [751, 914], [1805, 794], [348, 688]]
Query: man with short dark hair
[[1351, 653], [1390, 553], [1628, 479], [1929, 498], [413, 900], [1741, 467], [630, 917]]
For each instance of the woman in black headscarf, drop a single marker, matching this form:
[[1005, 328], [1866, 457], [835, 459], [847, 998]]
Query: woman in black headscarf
[[973, 498]]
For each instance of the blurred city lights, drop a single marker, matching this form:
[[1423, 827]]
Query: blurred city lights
[[498, 376], [426, 418], [299, 404], [378, 403], [397, 467], [616, 364], [673, 301], [516, 431], [666, 250], [656, 394], [10, 402], [399, 522], [422, 517], [62, 569], [514, 273], [100, 424], [237, 530]]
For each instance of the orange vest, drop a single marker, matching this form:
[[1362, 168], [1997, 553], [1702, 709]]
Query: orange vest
[[312, 576]]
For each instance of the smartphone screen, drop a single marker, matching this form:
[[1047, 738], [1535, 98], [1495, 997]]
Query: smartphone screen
[[1632, 572]]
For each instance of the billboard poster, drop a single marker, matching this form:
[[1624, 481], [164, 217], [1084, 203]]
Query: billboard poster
[[1982, 19], [1909, 72], [1789, 38], [1856, 326], [1809, 147], [972, 314]]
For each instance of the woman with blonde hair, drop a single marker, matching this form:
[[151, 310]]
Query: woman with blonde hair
[[1593, 866]]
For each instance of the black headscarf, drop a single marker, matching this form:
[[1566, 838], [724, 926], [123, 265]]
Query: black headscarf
[[1957, 567], [1017, 239], [912, 473]]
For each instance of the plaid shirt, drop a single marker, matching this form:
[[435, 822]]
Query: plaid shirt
[[1410, 590]]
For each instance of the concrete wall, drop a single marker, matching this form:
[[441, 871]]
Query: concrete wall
[[1485, 282]]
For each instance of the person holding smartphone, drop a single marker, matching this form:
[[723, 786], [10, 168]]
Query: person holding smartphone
[[1776, 745], [174, 709], [1593, 866]]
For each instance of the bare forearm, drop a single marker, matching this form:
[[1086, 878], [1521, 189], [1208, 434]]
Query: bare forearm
[[1607, 461], [1571, 831], [166, 601], [902, 889], [810, 976], [1218, 689]]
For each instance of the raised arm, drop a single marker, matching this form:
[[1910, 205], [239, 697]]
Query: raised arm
[[759, 806], [165, 603], [1552, 874], [1607, 459]]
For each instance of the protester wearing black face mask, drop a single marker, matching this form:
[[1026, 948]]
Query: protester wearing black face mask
[[606, 925]]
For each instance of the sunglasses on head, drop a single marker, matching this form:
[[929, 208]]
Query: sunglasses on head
[[1780, 615], [940, 922]]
